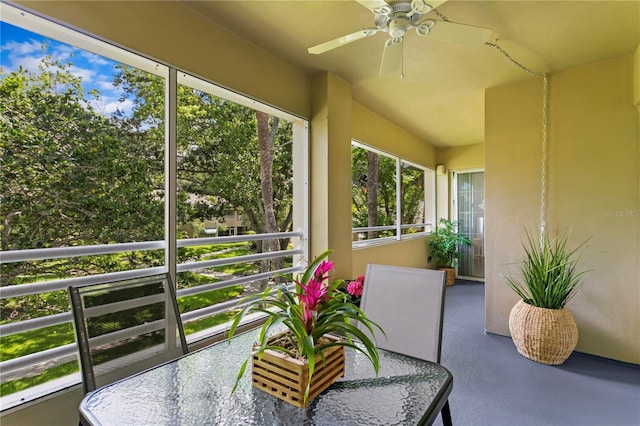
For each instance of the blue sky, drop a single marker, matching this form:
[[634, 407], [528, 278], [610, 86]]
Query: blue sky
[[22, 47]]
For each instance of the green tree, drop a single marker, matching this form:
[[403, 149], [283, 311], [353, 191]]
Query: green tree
[[219, 154], [70, 175], [373, 190]]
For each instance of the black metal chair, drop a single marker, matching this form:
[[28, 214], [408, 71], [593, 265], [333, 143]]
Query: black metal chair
[[124, 327], [408, 303]]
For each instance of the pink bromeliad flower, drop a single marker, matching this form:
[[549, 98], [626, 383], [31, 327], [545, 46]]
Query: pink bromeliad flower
[[355, 287], [314, 292]]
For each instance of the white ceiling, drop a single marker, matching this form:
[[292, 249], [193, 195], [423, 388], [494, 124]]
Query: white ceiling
[[441, 97]]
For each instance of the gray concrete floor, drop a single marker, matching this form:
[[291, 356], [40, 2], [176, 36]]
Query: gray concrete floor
[[496, 386]]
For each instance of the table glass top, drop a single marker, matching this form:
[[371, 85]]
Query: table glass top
[[196, 390]]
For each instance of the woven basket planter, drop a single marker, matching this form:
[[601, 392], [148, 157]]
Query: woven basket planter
[[547, 336], [287, 378], [451, 275]]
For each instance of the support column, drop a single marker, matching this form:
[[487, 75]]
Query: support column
[[330, 182]]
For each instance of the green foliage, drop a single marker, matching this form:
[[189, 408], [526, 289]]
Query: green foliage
[[49, 374], [68, 174], [444, 243], [548, 274], [308, 322], [412, 195], [71, 175], [218, 148], [28, 342], [412, 187], [209, 298], [386, 190], [209, 322]]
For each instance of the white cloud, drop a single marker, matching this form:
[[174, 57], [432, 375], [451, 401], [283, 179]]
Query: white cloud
[[94, 59], [108, 105], [29, 63], [85, 74], [22, 48], [94, 71], [104, 83]]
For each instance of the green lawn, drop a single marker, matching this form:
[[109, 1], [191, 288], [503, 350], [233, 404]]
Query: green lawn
[[17, 345]]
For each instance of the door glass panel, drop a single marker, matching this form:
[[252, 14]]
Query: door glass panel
[[470, 192]]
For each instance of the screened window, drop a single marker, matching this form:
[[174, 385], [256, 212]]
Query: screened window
[[391, 198], [98, 182]]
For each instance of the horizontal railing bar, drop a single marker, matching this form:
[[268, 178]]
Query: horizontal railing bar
[[125, 333], [208, 311], [123, 305], [373, 228], [239, 238], [54, 285], [64, 317], [215, 309], [389, 227], [34, 323], [11, 256], [38, 357], [233, 281], [238, 259]]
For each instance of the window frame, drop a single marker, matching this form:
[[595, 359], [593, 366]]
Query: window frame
[[429, 203]]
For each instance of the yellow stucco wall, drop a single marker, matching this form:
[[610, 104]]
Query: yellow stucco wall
[[410, 253], [371, 129], [455, 158], [593, 187], [461, 157]]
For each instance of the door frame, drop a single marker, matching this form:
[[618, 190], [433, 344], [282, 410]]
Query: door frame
[[453, 208]]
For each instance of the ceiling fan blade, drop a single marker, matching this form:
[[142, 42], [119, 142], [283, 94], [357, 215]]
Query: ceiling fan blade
[[424, 6], [460, 34], [341, 41], [391, 57], [379, 7]]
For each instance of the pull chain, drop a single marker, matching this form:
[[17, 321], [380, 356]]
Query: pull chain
[[545, 101], [543, 161]]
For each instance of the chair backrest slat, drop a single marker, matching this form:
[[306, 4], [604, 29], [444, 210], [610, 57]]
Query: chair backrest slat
[[124, 327]]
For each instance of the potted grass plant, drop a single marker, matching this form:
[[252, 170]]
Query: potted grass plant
[[445, 243], [541, 326], [319, 322]]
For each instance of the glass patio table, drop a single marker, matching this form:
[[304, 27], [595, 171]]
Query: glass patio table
[[196, 390]]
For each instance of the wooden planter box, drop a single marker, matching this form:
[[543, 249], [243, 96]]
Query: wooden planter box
[[286, 378]]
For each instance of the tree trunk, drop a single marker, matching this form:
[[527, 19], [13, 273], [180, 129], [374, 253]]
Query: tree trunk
[[266, 138], [372, 192]]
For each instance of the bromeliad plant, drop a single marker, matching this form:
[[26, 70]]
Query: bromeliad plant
[[314, 308], [548, 274]]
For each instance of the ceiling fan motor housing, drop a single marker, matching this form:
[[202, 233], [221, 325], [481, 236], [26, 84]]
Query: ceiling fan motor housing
[[398, 26], [399, 20]]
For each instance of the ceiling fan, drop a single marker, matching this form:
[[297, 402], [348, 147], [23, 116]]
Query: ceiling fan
[[398, 17]]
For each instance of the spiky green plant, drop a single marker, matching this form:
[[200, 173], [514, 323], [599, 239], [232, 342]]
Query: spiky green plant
[[548, 275]]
